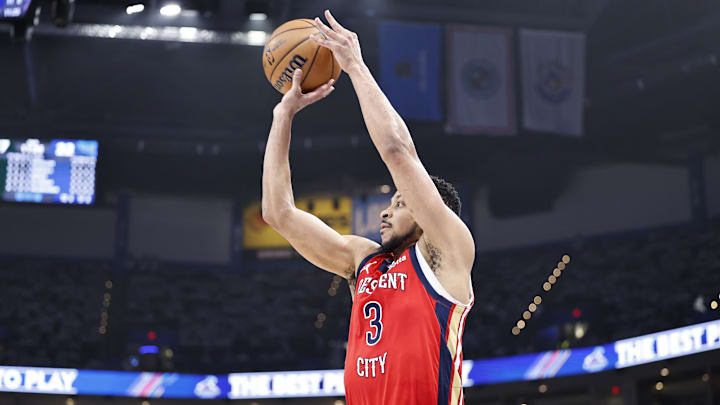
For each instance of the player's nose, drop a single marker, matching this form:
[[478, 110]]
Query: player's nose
[[385, 213]]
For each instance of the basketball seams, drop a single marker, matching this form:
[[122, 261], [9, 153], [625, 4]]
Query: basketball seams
[[287, 30], [292, 49], [286, 54], [307, 72]]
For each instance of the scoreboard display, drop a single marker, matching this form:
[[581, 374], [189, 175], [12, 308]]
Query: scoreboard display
[[58, 171], [13, 8]]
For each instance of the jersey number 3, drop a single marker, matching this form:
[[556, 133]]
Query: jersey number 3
[[373, 311]]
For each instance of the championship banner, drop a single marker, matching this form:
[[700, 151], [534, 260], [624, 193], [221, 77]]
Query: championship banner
[[366, 215], [480, 80], [334, 211], [410, 68], [553, 74]]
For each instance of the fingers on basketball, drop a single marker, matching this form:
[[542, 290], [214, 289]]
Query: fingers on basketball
[[290, 48]]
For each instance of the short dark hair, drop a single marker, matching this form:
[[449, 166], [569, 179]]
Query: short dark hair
[[449, 194]]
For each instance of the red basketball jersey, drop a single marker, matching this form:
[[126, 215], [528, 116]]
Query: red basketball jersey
[[405, 339]]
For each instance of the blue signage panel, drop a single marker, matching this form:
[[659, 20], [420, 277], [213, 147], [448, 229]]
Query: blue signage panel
[[286, 384], [366, 215]]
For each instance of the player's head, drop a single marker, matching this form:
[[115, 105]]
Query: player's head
[[398, 227]]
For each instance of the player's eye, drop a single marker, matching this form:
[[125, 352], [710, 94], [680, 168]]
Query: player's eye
[[399, 204]]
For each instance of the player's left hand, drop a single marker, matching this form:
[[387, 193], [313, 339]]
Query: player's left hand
[[295, 100], [343, 43]]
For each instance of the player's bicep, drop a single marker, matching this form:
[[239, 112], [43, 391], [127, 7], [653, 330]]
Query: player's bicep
[[437, 220], [321, 245]]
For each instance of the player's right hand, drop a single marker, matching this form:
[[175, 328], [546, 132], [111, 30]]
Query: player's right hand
[[295, 100]]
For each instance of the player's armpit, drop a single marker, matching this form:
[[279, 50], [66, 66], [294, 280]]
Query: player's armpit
[[440, 225], [320, 244]]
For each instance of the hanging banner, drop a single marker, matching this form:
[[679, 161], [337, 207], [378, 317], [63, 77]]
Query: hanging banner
[[553, 74], [480, 80], [410, 68]]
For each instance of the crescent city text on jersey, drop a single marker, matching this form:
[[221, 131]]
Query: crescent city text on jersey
[[387, 280]]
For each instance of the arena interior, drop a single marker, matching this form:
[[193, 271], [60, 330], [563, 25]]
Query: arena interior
[[135, 266]]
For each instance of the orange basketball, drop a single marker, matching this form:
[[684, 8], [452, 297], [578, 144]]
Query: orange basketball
[[290, 48]]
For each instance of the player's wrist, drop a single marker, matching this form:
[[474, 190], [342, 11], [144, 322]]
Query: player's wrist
[[356, 69], [283, 109]]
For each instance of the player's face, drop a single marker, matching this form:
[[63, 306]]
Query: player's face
[[397, 226]]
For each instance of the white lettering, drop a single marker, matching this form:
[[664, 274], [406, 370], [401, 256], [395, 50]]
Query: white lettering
[[621, 351], [368, 285], [296, 384], [383, 281], [392, 280], [712, 335], [696, 336], [663, 345], [333, 382], [68, 379], [33, 379], [673, 343], [12, 379], [638, 351], [396, 262], [259, 385], [55, 382], [647, 350], [366, 367], [243, 386], [402, 277], [361, 288]]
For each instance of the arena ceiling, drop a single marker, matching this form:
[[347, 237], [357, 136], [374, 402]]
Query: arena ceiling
[[652, 85]]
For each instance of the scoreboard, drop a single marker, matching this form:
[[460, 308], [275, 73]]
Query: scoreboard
[[13, 8], [56, 171]]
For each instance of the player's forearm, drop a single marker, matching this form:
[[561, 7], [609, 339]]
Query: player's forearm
[[387, 129], [276, 182]]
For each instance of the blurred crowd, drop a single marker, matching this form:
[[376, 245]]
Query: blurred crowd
[[271, 319], [278, 318], [50, 312], [615, 286]]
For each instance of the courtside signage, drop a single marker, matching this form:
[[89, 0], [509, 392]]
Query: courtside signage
[[668, 344], [38, 380], [286, 384], [322, 383]]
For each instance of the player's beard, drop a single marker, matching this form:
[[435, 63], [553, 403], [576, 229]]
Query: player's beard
[[397, 240]]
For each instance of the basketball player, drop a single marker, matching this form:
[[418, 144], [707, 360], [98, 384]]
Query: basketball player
[[411, 294]]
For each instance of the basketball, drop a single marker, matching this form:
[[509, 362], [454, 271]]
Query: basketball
[[290, 48]]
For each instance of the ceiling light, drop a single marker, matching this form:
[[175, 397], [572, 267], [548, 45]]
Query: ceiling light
[[258, 16], [135, 9], [256, 37], [170, 10], [188, 33]]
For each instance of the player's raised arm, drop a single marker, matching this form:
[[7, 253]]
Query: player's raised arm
[[391, 137], [312, 238]]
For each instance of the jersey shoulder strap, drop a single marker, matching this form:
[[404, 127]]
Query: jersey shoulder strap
[[365, 261]]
